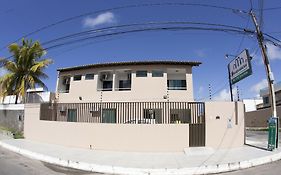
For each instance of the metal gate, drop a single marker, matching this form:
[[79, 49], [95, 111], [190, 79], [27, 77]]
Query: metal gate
[[197, 130], [197, 135]]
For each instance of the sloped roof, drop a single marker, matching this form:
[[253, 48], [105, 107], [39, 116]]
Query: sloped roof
[[130, 63]]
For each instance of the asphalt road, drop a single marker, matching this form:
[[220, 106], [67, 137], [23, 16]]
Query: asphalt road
[[15, 164], [267, 169]]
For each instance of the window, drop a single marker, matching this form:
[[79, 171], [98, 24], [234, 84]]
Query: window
[[107, 85], [124, 85], [77, 77], [153, 115], [265, 100], [64, 84], [176, 84], [141, 73], [89, 76], [180, 116], [108, 115], [157, 73]]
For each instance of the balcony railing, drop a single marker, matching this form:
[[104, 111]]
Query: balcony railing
[[125, 112], [176, 88]]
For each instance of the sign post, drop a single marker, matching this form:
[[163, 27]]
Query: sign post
[[240, 67]]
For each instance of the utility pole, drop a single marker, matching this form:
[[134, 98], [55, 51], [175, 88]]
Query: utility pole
[[269, 74]]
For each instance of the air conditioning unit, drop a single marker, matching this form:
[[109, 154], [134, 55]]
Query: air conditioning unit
[[105, 77], [66, 81]]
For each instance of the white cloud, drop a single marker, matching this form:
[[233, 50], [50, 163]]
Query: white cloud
[[224, 95], [257, 87], [104, 18], [200, 53], [274, 53], [200, 90]]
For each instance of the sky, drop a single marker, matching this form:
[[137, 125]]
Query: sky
[[19, 17]]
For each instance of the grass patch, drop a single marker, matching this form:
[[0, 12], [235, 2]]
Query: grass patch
[[16, 134]]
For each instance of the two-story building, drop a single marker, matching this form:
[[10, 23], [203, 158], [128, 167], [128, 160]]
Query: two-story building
[[133, 106], [126, 81]]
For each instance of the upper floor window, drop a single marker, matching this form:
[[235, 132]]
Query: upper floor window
[[176, 84], [265, 100], [141, 73], [89, 76], [105, 82], [123, 80], [64, 84], [77, 77], [107, 85], [157, 73]]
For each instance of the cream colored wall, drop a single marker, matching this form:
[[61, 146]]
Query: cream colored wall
[[114, 137], [143, 88], [218, 135], [138, 137]]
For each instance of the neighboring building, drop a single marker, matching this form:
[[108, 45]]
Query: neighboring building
[[126, 81], [37, 95], [12, 115], [252, 104], [264, 93], [260, 117]]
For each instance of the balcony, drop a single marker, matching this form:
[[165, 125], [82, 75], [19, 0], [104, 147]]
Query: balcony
[[176, 79], [123, 80]]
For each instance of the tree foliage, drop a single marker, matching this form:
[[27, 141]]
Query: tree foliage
[[25, 70]]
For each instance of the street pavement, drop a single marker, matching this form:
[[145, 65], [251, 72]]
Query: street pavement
[[15, 164]]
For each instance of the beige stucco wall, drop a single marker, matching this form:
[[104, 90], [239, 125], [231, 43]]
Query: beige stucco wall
[[139, 137], [219, 132], [114, 137], [143, 88]]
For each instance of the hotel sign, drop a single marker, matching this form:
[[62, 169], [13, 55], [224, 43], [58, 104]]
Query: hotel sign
[[240, 67]]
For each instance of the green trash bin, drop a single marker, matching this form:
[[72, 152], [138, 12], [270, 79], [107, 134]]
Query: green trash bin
[[271, 133]]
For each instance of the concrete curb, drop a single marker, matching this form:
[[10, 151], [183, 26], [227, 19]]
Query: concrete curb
[[205, 169]]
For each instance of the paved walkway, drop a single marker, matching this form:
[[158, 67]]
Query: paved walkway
[[192, 161]]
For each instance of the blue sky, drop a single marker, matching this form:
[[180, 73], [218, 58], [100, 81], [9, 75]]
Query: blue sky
[[19, 17]]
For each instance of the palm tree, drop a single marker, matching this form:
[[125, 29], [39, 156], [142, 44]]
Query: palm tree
[[25, 70]]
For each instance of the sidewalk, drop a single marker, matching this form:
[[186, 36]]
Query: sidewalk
[[192, 161]]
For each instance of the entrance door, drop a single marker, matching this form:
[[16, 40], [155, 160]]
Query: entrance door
[[109, 116]]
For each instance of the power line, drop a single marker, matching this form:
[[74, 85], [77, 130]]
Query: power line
[[119, 8], [261, 5], [176, 28], [215, 27], [272, 8], [251, 4], [243, 38], [104, 29]]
